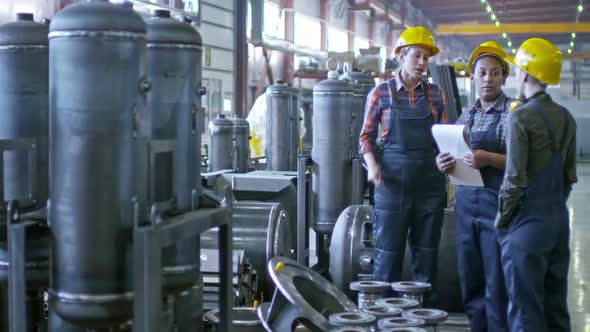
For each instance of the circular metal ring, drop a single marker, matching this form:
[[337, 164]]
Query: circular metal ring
[[353, 318], [405, 304], [403, 329], [383, 311], [369, 286], [401, 322], [411, 287], [430, 316], [349, 329]]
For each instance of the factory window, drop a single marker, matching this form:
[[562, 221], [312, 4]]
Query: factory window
[[307, 31], [337, 40], [274, 20], [360, 43]]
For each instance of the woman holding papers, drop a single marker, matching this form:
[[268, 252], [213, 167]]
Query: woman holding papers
[[409, 190], [478, 252]]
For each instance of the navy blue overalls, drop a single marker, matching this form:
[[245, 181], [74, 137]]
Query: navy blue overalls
[[412, 196], [535, 247], [478, 253]]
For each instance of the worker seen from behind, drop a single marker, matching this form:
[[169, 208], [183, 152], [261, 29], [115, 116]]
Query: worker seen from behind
[[533, 222], [478, 253], [409, 190]]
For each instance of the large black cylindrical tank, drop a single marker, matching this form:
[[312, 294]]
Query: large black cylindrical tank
[[24, 60], [332, 151], [174, 72], [24, 112], [221, 148], [241, 139], [282, 128], [97, 92]]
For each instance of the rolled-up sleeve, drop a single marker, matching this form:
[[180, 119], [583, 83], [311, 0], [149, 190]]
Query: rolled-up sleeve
[[515, 178], [372, 117]]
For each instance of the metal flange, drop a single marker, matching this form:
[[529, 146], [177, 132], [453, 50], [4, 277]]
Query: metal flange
[[404, 304], [383, 311], [403, 329], [411, 287], [430, 316], [301, 295], [369, 286], [349, 329], [352, 318], [401, 322]]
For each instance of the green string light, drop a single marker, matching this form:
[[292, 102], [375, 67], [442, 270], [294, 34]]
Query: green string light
[[573, 35], [497, 24], [489, 9], [569, 51], [513, 51], [482, 1], [493, 17], [580, 8], [509, 44], [572, 44], [504, 35]]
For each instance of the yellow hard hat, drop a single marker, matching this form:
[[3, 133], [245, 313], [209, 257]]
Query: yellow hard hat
[[416, 36], [489, 47], [540, 58]]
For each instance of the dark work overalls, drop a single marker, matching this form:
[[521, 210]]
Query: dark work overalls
[[412, 196], [478, 253], [535, 247]]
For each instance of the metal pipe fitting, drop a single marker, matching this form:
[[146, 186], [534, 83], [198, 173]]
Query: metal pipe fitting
[[349, 329], [431, 317], [369, 292], [352, 318], [404, 304], [400, 322], [383, 311], [403, 329], [411, 289]]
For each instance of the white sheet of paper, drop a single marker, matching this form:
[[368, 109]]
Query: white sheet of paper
[[449, 138]]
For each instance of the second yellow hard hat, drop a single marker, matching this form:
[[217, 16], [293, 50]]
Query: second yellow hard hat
[[540, 58], [489, 47]]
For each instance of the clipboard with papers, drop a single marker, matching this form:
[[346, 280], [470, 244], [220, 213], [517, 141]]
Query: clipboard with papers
[[449, 138]]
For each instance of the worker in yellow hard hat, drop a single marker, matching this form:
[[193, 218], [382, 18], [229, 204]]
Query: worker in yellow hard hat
[[533, 221], [409, 190], [478, 253]]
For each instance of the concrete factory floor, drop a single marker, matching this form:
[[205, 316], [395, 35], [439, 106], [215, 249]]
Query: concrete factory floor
[[579, 274]]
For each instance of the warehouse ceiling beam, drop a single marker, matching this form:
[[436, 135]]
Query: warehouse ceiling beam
[[513, 28], [582, 55]]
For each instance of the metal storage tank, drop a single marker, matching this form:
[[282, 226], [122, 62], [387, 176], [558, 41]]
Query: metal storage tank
[[174, 60], [97, 91], [362, 85], [174, 72], [220, 144], [282, 128], [241, 138], [332, 151], [24, 112]]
